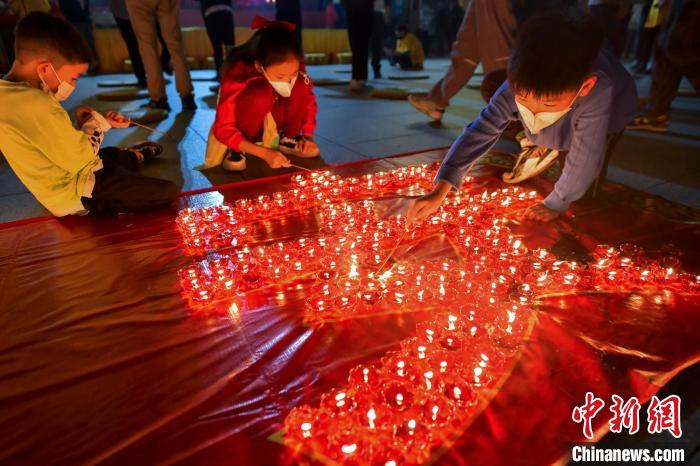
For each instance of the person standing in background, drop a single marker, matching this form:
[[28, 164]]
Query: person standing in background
[[359, 14], [486, 36], [381, 14], [145, 16], [649, 27], [290, 11], [675, 56], [121, 17], [218, 19], [77, 12], [612, 16]]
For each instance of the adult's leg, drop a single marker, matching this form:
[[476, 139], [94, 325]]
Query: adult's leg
[[168, 15], [252, 104], [377, 41], [683, 39], [359, 32], [464, 57], [290, 10], [143, 20], [220, 30], [85, 28], [132, 46], [164, 53], [120, 191], [496, 27], [673, 55], [491, 83]]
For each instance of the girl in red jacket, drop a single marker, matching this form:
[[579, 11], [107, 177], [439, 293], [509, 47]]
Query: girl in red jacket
[[265, 88]]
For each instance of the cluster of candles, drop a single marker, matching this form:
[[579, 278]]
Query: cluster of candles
[[228, 225], [343, 262], [418, 397]]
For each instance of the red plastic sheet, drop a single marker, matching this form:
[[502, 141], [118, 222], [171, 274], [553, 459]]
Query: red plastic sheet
[[102, 361]]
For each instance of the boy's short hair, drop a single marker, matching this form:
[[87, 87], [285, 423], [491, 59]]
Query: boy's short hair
[[554, 53], [43, 36], [401, 28]]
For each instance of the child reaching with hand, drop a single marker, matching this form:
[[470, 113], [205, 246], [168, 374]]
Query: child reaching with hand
[[571, 96], [265, 96], [65, 168]]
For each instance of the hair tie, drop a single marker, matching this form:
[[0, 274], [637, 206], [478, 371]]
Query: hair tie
[[260, 23]]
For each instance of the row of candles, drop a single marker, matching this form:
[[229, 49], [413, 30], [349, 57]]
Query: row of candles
[[418, 397], [343, 263], [227, 225]]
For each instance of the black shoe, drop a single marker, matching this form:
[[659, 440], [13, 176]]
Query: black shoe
[[288, 144], [233, 161], [657, 124], [146, 151], [188, 103], [161, 104]]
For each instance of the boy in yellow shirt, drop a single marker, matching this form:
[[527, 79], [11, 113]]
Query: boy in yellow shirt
[[409, 50], [65, 168]]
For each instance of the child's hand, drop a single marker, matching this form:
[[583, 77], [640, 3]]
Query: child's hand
[[426, 205], [83, 114], [117, 120], [540, 213], [308, 147], [275, 159]]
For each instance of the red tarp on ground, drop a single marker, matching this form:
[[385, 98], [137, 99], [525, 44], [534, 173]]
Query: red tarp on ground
[[101, 361]]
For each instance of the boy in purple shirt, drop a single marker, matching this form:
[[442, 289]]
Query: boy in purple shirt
[[570, 95]]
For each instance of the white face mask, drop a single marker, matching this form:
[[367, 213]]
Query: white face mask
[[283, 88], [64, 89], [536, 122]]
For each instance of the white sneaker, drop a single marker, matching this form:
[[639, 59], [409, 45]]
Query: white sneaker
[[357, 84], [532, 161], [233, 161]]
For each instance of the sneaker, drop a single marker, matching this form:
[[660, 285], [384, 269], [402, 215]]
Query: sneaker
[[357, 84], [160, 103], [233, 161], [422, 103], [656, 124], [146, 151], [290, 146], [188, 103], [532, 161]]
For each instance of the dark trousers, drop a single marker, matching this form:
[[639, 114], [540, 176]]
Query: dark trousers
[[359, 33], [675, 55], [220, 29], [290, 10], [614, 27], [119, 188], [377, 41], [404, 61], [127, 32]]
